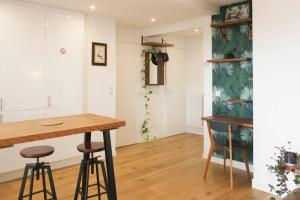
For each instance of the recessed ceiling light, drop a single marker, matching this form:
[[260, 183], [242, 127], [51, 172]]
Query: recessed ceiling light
[[196, 30], [153, 19], [69, 16], [92, 7]]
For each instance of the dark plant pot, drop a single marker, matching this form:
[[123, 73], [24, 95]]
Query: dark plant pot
[[290, 158], [229, 56]]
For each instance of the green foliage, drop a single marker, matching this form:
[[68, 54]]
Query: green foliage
[[145, 129], [279, 169]]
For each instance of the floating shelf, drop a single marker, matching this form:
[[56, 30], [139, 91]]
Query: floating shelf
[[222, 26], [163, 44], [229, 60], [232, 23], [292, 169], [242, 101]]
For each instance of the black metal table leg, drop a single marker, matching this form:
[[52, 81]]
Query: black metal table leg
[[87, 140], [110, 166]]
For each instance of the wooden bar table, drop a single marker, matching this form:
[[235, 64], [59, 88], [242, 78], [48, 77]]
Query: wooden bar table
[[246, 123], [40, 129]]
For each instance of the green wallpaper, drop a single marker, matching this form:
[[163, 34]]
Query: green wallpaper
[[231, 80]]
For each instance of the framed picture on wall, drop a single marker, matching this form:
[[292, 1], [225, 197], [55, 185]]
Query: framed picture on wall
[[238, 12], [99, 54]]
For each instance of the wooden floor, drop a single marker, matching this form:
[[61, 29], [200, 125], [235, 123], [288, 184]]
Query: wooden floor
[[165, 169]]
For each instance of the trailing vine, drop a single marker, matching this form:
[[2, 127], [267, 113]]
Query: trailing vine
[[145, 129]]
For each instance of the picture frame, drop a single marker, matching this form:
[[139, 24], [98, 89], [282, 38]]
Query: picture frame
[[99, 54], [238, 11]]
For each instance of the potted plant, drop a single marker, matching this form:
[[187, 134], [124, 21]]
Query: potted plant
[[281, 170]]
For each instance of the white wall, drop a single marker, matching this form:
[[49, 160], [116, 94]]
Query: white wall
[[276, 82], [100, 81], [168, 103], [129, 64], [194, 84]]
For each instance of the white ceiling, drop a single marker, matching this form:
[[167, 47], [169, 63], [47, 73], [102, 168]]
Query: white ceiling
[[139, 12]]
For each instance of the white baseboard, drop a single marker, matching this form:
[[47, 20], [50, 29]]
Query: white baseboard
[[16, 174], [196, 130], [236, 164], [259, 185]]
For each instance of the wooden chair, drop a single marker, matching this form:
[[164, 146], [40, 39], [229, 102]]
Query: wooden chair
[[233, 145]]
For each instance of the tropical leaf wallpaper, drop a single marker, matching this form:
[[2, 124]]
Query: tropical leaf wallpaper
[[231, 80]]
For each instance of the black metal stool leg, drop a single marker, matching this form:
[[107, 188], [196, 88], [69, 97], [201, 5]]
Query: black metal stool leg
[[44, 183], [21, 194], [98, 181], [53, 192], [31, 184], [77, 191], [86, 188], [105, 178]]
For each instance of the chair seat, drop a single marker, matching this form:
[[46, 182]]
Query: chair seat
[[236, 144], [37, 151], [91, 148]]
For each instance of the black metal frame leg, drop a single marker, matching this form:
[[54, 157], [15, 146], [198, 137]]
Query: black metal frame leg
[[21, 194], [86, 156], [112, 193]]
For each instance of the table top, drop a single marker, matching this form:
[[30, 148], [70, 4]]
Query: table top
[[247, 123], [40, 129]]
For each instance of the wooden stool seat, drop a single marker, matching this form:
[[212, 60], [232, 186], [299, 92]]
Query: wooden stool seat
[[91, 148], [37, 151]]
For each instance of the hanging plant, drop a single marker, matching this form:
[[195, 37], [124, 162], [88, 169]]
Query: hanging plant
[[145, 129]]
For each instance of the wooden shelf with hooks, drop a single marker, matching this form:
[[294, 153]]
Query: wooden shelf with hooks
[[156, 44]]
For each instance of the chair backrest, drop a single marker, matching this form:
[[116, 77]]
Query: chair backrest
[[220, 127], [223, 126]]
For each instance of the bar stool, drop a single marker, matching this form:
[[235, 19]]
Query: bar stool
[[89, 161], [37, 152]]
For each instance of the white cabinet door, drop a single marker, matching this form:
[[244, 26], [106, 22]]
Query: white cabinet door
[[64, 75], [22, 38]]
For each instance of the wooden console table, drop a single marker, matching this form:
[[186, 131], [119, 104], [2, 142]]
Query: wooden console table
[[33, 130]]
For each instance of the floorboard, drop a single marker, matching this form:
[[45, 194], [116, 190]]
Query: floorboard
[[164, 169]]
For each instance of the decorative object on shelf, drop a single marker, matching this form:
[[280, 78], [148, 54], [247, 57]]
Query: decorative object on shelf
[[99, 54], [290, 158], [230, 54], [238, 11]]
